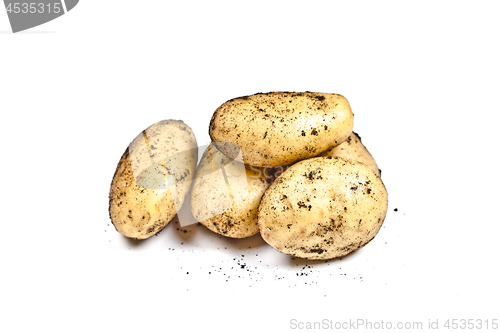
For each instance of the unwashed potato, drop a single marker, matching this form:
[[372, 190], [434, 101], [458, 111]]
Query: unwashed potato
[[281, 128], [275, 172], [226, 194], [353, 149], [322, 208], [152, 179]]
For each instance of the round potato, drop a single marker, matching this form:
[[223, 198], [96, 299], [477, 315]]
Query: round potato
[[323, 208], [353, 149], [281, 128], [152, 179], [226, 194]]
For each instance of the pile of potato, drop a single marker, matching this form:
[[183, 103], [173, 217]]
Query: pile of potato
[[284, 164]]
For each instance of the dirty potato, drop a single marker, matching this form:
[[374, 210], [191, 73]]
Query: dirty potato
[[353, 149], [322, 208], [152, 179], [226, 194], [281, 128]]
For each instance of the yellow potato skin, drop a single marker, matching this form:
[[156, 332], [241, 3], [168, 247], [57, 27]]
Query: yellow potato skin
[[208, 196], [281, 128], [353, 149], [323, 208], [137, 212]]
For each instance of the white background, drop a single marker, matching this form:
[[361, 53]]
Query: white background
[[422, 79]]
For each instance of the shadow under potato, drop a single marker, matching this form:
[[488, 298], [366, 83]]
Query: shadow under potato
[[187, 235], [137, 243], [296, 261]]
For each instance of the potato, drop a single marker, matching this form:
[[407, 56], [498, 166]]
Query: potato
[[273, 173], [226, 194], [152, 179], [353, 149], [322, 208], [281, 128]]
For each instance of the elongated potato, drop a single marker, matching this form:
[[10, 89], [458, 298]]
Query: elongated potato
[[152, 179], [322, 208], [353, 149], [226, 194], [281, 128]]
